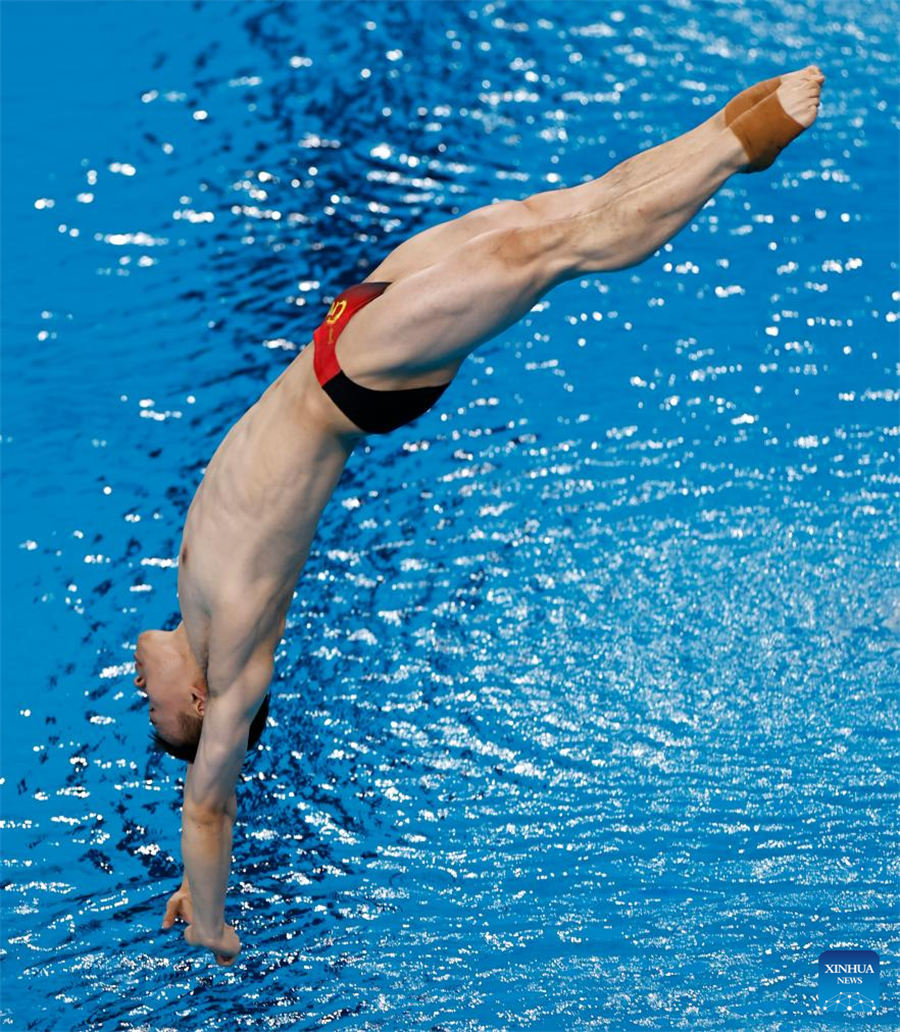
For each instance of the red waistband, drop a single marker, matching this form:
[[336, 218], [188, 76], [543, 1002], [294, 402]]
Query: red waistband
[[343, 308]]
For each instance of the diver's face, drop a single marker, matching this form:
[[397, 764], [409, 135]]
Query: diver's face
[[164, 678]]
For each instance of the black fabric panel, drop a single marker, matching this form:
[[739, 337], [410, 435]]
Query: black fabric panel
[[379, 412]]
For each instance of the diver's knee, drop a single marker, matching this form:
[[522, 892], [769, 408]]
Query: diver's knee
[[541, 251], [509, 214]]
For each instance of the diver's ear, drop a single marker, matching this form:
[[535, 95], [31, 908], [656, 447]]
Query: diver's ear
[[198, 699]]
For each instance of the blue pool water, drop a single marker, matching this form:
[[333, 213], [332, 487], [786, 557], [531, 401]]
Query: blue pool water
[[586, 710]]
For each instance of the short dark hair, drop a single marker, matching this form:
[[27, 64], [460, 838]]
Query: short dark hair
[[191, 725]]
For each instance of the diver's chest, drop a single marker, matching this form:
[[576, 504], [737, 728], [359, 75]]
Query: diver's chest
[[194, 604]]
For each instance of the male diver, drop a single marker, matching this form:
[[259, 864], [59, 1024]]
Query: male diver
[[385, 352]]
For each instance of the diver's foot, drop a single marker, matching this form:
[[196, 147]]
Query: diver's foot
[[783, 113], [745, 100]]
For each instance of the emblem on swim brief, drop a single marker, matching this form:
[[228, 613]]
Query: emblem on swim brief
[[336, 311]]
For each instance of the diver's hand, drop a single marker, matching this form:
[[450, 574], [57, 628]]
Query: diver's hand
[[180, 906], [225, 946]]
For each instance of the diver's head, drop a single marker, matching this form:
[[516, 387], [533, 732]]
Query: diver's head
[[175, 685]]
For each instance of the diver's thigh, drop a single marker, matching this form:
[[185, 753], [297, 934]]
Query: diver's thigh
[[433, 244], [430, 320]]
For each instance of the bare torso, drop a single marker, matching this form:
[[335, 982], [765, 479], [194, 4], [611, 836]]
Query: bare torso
[[250, 525]]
